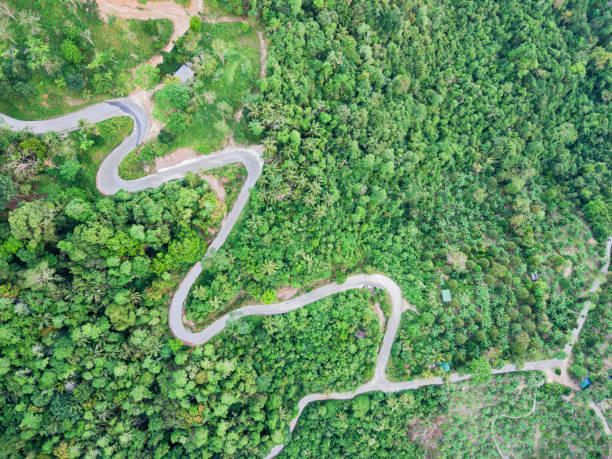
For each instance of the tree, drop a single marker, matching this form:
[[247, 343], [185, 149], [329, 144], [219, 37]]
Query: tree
[[481, 370], [195, 24], [33, 222], [8, 190], [70, 169], [71, 52]]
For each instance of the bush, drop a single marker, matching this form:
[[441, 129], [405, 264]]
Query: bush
[[146, 76], [74, 81], [195, 24], [71, 52]]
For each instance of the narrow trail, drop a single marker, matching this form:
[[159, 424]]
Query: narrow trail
[[601, 417], [109, 182], [533, 408]]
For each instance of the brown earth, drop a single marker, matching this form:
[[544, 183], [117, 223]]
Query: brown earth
[[174, 158], [287, 292]]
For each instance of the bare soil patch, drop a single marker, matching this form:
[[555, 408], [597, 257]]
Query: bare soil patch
[[133, 9], [145, 99], [571, 250], [406, 306], [191, 325], [287, 292], [457, 260], [174, 158], [563, 378], [216, 185]]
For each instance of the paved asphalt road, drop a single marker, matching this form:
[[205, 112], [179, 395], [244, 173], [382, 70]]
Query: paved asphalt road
[[109, 182]]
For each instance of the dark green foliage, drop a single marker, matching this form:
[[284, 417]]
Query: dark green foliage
[[443, 144], [7, 191]]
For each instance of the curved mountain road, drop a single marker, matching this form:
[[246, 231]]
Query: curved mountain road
[[109, 182]]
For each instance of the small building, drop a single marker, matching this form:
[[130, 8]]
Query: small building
[[446, 296], [586, 382], [534, 276], [446, 366], [185, 73]]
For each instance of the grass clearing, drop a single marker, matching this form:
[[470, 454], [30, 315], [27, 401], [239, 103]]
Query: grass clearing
[[200, 115], [111, 134], [64, 60]]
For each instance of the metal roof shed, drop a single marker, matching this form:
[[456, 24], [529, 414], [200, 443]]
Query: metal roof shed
[[446, 296], [184, 73]]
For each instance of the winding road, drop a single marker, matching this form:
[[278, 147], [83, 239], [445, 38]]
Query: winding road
[[109, 182]]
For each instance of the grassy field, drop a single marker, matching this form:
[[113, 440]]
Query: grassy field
[[111, 134], [201, 115], [63, 60]]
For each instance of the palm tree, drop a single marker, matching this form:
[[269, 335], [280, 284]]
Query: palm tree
[[269, 267]]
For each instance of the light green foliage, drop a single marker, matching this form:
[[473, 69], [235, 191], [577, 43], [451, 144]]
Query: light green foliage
[[33, 223], [195, 24], [71, 52], [481, 369], [200, 115], [454, 421], [172, 100], [56, 55], [146, 76]]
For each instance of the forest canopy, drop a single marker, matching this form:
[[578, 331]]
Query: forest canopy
[[457, 145]]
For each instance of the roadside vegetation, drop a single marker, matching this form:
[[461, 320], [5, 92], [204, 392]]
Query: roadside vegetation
[[204, 113], [592, 355], [58, 56]]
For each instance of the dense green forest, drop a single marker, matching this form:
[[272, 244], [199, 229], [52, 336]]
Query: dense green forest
[[447, 144], [438, 146], [58, 55]]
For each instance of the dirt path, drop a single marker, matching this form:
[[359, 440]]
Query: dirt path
[[180, 17], [533, 408], [133, 9], [601, 417], [215, 185]]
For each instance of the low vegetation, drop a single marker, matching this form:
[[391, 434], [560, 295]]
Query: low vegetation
[[204, 113], [454, 421], [58, 56]]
